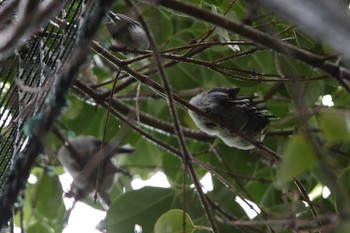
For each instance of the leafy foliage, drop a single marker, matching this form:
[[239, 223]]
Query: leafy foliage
[[306, 147]]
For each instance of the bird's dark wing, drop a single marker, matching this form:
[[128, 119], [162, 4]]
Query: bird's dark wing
[[222, 95], [239, 112], [229, 96]]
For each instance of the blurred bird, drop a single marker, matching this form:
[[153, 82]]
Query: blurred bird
[[127, 32], [240, 113], [77, 154]]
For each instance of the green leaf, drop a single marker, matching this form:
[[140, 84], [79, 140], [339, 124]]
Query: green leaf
[[305, 92], [145, 155], [163, 28], [39, 227], [344, 179], [43, 203], [334, 126], [298, 157], [49, 197], [142, 207], [172, 222], [173, 169], [340, 98], [74, 109], [344, 183]]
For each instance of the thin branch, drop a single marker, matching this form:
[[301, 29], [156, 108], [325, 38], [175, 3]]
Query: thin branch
[[339, 72], [131, 122], [327, 222], [186, 156]]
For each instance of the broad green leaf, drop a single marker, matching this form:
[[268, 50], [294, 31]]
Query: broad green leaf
[[334, 126], [74, 109], [279, 109], [172, 222], [43, 203], [173, 168], [344, 179], [39, 227], [145, 155], [298, 157], [303, 41], [340, 98], [49, 197], [259, 190], [142, 207], [305, 92], [162, 26], [344, 184]]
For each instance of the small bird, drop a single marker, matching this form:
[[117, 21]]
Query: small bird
[[127, 32], [240, 113], [75, 156]]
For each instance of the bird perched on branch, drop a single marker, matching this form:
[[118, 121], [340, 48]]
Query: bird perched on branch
[[80, 158], [127, 32], [240, 113]]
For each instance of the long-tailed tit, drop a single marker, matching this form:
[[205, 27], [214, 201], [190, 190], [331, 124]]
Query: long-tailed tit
[[127, 32], [77, 154], [240, 113]]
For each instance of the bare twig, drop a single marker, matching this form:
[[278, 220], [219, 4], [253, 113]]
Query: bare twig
[[339, 72]]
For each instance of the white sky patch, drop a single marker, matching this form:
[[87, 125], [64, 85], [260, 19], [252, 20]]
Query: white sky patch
[[327, 100], [252, 211], [318, 191], [6, 117], [157, 180], [235, 48], [137, 229], [24, 144], [66, 180], [207, 183], [32, 179], [6, 88], [84, 218], [325, 192]]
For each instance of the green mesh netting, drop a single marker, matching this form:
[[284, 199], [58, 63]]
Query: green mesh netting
[[48, 44]]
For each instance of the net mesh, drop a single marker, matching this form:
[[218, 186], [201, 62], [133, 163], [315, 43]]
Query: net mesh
[[47, 45], [26, 76]]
